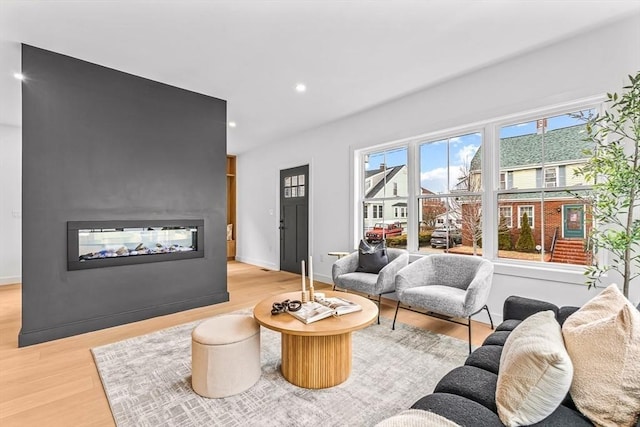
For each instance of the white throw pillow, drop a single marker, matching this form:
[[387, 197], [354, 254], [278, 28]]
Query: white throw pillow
[[603, 340], [417, 418], [535, 371]]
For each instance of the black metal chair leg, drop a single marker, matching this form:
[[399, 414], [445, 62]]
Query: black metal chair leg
[[379, 307], [489, 313], [469, 327], [393, 327]]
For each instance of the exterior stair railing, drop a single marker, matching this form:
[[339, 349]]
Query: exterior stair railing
[[553, 242]]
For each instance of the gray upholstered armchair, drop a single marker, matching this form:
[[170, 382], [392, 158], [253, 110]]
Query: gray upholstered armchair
[[446, 286], [346, 277]]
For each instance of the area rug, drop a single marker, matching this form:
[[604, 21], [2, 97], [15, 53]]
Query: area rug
[[147, 381]]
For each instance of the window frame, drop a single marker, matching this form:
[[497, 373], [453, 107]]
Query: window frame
[[556, 176], [490, 130], [375, 214], [399, 212], [452, 191], [510, 217], [530, 217]]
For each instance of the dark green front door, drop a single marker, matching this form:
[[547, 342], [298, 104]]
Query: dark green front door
[[573, 221]]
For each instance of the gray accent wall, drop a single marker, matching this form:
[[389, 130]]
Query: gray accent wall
[[100, 144]]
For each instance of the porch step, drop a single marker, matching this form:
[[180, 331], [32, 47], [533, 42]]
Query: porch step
[[570, 252]]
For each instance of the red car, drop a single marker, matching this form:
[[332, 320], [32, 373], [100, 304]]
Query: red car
[[381, 231]]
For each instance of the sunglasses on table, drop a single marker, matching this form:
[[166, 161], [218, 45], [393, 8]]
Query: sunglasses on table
[[286, 305]]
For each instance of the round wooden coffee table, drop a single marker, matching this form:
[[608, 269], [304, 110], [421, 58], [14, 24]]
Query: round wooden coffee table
[[317, 355]]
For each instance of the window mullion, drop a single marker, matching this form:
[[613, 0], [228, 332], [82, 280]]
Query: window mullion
[[491, 182], [412, 203]]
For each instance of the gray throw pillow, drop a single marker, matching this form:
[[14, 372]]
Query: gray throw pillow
[[372, 257]]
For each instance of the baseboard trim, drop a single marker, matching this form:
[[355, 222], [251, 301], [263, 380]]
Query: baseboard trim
[[258, 263], [10, 280], [26, 338]]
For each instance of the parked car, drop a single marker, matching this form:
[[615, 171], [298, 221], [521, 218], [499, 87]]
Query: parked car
[[381, 230], [446, 237]]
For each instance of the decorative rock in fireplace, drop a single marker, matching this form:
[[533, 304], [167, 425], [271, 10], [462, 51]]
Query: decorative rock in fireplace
[[96, 244]]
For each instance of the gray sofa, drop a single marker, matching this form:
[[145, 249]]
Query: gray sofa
[[466, 395]]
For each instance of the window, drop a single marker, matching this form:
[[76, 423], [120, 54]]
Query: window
[[385, 188], [400, 211], [550, 177], [506, 180], [506, 213], [541, 155], [451, 183], [525, 210], [438, 181], [377, 211]]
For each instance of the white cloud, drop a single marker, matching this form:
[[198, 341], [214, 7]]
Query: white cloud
[[437, 173], [434, 180], [465, 154]]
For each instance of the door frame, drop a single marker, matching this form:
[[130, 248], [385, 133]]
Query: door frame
[[310, 198]]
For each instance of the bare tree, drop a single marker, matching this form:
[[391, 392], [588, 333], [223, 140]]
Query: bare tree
[[468, 206], [431, 210]]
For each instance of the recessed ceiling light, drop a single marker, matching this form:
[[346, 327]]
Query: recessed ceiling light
[[301, 87], [19, 76], [232, 124]]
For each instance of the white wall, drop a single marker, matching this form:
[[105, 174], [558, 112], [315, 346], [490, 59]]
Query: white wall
[[10, 204], [587, 65]]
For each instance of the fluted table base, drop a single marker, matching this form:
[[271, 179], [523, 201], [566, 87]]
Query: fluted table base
[[316, 361]]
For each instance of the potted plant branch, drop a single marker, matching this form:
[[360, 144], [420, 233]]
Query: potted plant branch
[[614, 170]]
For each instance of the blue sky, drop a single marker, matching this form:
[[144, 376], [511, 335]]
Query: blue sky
[[526, 128], [434, 157], [455, 152]]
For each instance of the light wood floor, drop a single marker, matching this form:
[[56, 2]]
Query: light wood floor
[[57, 384]]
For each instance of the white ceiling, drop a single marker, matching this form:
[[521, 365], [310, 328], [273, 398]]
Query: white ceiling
[[352, 55]]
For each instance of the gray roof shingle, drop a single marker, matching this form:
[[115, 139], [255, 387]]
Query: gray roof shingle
[[560, 146]]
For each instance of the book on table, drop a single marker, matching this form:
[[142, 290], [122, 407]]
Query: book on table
[[322, 308]]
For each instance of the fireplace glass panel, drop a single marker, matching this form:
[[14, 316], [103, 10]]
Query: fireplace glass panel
[[97, 244], [124, 242]]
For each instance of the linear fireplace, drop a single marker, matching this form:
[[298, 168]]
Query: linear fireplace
[[96, 244]]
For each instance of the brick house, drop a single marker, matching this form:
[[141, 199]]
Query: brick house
[[559, 221]]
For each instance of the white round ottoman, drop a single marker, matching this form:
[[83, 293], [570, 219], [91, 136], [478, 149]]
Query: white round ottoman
[[225, 355]]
